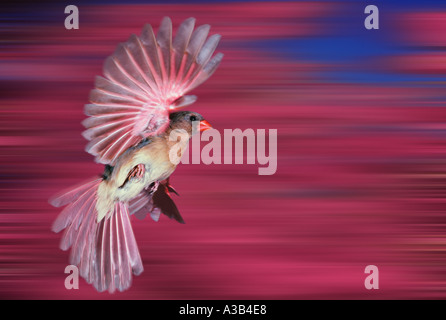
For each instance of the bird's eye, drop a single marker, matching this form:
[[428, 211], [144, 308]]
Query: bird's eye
[[193, 118]]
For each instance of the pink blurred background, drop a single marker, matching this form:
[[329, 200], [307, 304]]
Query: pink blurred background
[[361, 123]]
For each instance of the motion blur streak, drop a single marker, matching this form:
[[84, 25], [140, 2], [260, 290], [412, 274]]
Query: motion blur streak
[[361, 172]]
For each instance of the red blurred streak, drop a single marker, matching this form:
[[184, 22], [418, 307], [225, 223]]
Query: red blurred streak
[[423, 28], [429, 63]]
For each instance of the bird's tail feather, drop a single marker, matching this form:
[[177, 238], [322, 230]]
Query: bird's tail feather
[[106, 252]]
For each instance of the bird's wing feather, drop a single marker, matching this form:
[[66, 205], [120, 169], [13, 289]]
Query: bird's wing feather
[[144, 79]]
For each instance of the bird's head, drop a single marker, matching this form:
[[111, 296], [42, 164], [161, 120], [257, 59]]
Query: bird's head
[[187, 120]]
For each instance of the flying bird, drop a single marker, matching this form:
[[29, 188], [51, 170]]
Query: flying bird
[[133, 110]]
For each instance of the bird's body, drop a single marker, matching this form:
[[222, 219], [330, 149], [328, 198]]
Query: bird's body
[[132, 114], [154, 156]]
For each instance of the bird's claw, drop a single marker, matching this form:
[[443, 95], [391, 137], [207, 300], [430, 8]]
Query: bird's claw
[[137, 173]]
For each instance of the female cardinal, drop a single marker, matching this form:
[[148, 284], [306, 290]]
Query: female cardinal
[[132, 113]]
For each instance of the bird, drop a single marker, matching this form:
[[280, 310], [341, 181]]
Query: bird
[[133, 111]]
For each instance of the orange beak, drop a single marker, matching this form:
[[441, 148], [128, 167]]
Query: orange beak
[[204, 125]]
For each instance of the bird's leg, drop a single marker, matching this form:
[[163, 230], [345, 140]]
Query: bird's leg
[[151, 188], [137, 172]]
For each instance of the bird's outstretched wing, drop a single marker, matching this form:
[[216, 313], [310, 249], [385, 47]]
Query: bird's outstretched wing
[[144, 79]]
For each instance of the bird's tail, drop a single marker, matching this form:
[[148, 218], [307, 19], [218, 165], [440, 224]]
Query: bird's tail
[[105, 252]]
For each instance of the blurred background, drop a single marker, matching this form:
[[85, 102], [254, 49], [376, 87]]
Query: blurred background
[[361, 175]]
